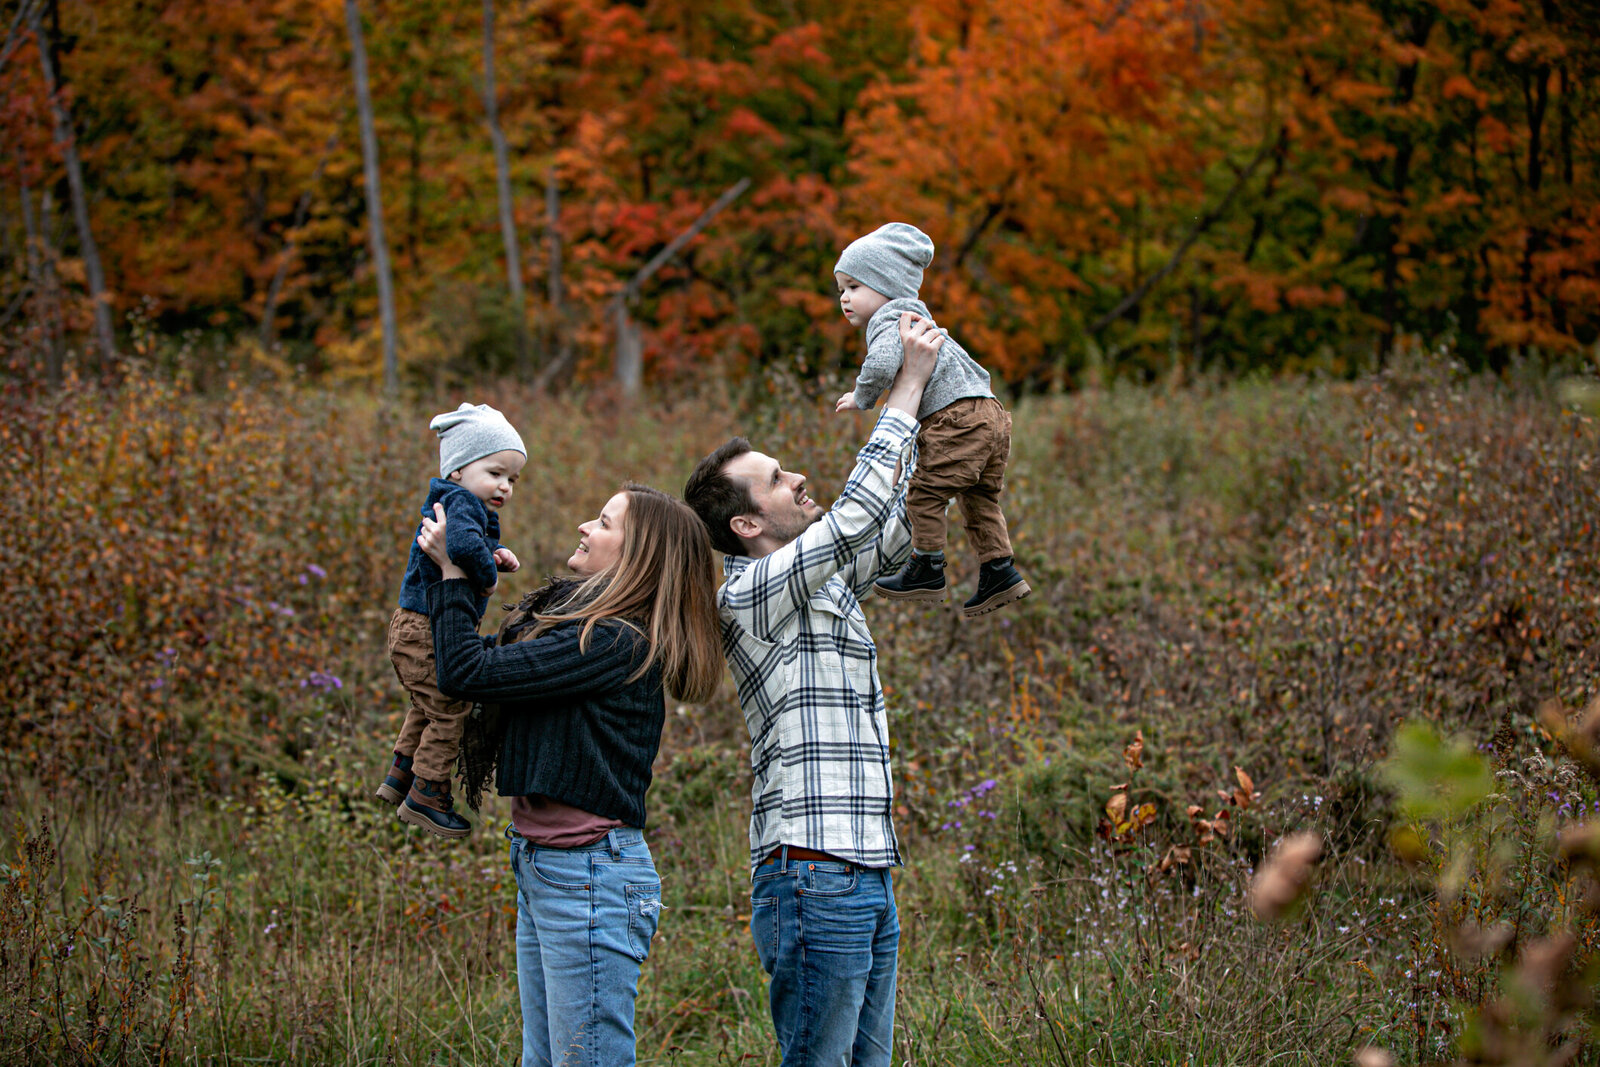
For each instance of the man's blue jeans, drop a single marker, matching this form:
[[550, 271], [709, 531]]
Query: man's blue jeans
[[585, 917], [829, 936]]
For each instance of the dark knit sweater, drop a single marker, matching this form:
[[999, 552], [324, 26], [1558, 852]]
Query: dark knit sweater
[[576, 730]]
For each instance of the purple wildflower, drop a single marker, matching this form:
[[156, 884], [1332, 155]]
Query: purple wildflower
[[321, 680]]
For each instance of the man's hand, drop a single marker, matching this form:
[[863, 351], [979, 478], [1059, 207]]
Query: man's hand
[[847, 403], [921, 339], [505, 560]]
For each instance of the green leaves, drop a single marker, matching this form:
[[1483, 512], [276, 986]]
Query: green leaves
[[1436, 777]]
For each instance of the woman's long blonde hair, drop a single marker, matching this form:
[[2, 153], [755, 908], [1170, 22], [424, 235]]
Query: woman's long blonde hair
[[663, 584]]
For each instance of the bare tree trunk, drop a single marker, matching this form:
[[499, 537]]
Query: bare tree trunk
[[301, 210], [80, 201], [502, 170], [630, 349], [369, 160], [41, 279], [629, 368], [559, 339]]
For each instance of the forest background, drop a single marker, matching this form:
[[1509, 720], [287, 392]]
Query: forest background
[[1136, 188], [1296, 308]]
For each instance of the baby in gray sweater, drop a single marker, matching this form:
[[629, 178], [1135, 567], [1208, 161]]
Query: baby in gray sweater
[[965, 438]]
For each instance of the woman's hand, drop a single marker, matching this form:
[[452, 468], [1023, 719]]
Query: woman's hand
[[431, 541]]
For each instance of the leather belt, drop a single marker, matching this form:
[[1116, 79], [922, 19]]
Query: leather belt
[[796, 853]]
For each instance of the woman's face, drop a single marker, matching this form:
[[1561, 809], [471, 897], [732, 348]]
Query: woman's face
[[600, 540]]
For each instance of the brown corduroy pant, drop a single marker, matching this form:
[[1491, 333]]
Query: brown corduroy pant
[[962, 451], [431, 733]]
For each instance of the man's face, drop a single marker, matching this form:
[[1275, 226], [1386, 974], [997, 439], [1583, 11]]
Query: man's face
[[782, 505]]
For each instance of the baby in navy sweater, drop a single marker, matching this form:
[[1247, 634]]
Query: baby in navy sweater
[[480, 458]]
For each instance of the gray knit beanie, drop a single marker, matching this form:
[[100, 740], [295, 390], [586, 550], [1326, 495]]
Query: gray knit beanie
[[472, 432], [890, 259]]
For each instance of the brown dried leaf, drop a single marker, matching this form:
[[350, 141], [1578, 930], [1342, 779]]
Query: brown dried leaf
[[1185, 950], [1176, 856], [1133, 755], [1542, 961], [1246, 794], [1474, 942], [1283, 877]]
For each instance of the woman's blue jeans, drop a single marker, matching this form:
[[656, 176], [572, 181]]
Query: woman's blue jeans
[[585, 918], [829, 935]]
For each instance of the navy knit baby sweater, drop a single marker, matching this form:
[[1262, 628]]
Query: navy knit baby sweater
[[471, 534], [576, 729]]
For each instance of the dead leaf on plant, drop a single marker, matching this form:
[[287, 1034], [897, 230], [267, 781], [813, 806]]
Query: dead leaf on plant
[[1283, 877]]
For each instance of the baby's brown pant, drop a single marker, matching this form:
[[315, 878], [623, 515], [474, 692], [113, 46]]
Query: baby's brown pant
[[431, 733], [962, 450]]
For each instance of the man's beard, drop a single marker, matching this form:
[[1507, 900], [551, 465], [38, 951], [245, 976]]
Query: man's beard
[[790, 527]]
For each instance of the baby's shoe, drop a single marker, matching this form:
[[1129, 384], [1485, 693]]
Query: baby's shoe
[[922, 578], [397, 782], [999, 584], [429, 806]]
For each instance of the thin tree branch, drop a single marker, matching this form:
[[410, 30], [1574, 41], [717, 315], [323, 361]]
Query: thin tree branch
[[14, 34], [631, 290], [301, 211], [1204, 223]]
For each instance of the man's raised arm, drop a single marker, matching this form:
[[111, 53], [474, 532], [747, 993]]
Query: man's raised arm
[[921, 340]]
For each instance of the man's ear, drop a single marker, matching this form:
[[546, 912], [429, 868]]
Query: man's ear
[[745, 527]]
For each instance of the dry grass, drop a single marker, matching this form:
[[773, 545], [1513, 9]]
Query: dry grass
[[1268, 576]]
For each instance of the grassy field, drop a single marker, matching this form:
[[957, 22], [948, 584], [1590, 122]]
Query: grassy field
[[1259, 582]]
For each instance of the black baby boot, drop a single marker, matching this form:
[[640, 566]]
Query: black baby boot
[[429, 806], [998, 585], [922, 578]]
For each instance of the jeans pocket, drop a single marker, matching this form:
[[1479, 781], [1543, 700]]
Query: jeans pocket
[[644, 917], [558, 869], [828, 880], [764, 930]]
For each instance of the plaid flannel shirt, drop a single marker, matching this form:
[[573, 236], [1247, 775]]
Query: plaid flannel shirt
[[807, 669]]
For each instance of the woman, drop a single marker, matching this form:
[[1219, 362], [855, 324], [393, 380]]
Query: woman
[[578, 674]]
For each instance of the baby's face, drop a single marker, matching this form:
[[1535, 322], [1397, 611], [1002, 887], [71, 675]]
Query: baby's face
[[858, 301], [492, 478]]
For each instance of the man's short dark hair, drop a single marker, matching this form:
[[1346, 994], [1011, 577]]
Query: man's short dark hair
[[717, 496]]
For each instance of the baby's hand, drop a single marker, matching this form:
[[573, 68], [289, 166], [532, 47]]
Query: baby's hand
[[846, 403], [505, 560]]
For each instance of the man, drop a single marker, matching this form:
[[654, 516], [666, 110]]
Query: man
[[822, 840]]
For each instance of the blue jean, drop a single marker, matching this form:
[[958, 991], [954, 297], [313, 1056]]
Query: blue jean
[[829, 935], [585, 918]]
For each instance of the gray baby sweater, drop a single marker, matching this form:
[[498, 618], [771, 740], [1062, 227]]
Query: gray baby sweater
[[955, 376]]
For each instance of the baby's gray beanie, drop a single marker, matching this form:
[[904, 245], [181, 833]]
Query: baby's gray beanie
[[472, 432], [890, 259]]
